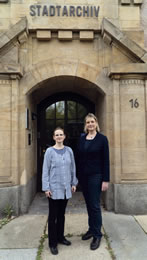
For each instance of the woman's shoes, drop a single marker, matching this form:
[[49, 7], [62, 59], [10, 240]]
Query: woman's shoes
[[95, 243], [87, 235], [65, 242], [54, 250]]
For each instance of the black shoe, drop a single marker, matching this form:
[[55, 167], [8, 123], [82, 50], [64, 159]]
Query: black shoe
[[54, 250], [87, 235], [65, 242], [95, 243]]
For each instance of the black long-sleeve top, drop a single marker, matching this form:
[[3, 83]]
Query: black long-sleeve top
[[93, 158]]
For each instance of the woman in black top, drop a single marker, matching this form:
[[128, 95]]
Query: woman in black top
[[93, 168]]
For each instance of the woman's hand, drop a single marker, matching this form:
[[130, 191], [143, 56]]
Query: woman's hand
[[73, 188], [105, 186], [48, 193]]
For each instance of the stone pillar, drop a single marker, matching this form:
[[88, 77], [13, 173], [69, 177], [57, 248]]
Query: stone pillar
[[133, 130], [115, 147], [9, 189], [131, 193], [5, 132], [15, 130], [116, 130]]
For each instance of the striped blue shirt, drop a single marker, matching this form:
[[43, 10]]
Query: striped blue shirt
[[59, 173]]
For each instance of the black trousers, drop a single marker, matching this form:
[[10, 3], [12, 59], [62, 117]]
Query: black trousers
[[91, 187], [56, 220]]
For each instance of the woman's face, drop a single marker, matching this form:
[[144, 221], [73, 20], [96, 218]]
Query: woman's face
[[91, 124], [59, 136]]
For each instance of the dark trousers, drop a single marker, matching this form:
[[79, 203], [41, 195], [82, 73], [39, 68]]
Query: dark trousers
[[91, 187], [56, 220]]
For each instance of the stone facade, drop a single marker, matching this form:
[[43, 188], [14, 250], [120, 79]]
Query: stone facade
[[95, 49]]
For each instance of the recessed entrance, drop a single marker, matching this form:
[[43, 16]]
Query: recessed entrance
[[66, 110]]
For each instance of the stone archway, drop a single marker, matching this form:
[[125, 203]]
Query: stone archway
[[41, 81], [65, 86]]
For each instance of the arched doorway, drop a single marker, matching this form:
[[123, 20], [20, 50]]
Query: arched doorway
[[63, 109]]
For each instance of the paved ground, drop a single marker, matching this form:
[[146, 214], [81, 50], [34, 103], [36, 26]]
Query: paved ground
[[19, 239], [127, 238]]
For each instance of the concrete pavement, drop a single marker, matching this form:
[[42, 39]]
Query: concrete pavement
[[20, 238], [76, 225], [127, 237]]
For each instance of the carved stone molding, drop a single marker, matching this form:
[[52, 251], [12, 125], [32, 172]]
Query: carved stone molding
[[120, 39], [128, 71], [5, 82], [131, 82], [125, 2], [137, 2], [107, 39], [13, 32], [23, 37], [130, 2], [10, 70]]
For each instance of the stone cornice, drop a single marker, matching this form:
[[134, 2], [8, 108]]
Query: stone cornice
[[112, 34], [11, 69], [129, 70]]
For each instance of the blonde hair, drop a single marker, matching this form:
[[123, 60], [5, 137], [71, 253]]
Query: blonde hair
[[95, 118]]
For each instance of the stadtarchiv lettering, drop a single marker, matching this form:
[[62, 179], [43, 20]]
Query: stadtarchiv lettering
[[66, 11]]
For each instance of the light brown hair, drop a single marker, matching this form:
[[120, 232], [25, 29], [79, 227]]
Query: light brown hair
[[58, 128]]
